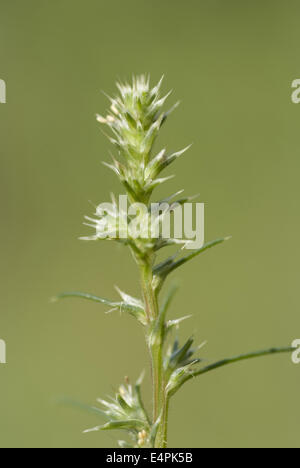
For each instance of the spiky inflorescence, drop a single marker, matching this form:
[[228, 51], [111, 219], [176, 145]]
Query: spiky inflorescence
[[134, 119]]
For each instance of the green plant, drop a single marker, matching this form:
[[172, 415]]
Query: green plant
[[135, 119]]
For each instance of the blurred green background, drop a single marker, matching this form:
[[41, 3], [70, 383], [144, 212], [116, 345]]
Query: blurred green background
[[231, 63]]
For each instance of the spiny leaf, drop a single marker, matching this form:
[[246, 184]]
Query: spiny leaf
[[156, 182], [170, 158], [129, 424], [112, 167], [186, 376], [134, 309], [161, 162], [166, 114], [130, 300], [90, 297], [162, 270], [174, 323]]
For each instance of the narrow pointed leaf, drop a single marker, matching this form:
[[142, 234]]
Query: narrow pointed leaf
[[224, 362], [139, 396], [174, 323], [156, 182], [134, 424], [168, 266], [90, 297], [124, 444], [82, 406], [172, 157], [158, 332], [154, 429], [129, 299], [168, 299], [181, 353], [136, 310]]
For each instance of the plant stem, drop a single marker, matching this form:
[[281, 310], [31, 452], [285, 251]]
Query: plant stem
[[154, 342], [157, 381], [150, 298], [162, 436]]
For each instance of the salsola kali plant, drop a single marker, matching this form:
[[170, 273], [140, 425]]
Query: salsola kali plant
[[135, 118]]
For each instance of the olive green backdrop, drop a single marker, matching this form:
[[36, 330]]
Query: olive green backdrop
[[231, 63]]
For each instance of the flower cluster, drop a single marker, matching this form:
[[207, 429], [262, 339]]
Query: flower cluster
[[126, 412], [135, 119]]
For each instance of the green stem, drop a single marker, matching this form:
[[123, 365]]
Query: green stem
[[162, 435], [166, 420], [154, 340], [150, 298], [156, 364]]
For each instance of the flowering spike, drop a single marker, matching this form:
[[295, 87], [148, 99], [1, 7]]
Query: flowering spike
[[134, 120]]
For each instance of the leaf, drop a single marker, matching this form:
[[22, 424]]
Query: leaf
[[183, 353], [156, 182], [177, 377], [154, 429], [156, 161], [82, 406], [174, 323], [158, 328], [129, 424], [168, 299], [170, 198], [161, 162], [90, 297], [123, 403], [139, 395], [161, 243], [166, 114], [168, 266], [112, 167], [181, 377], [135, 309], [124, 444], [130, 300], [172, 157]]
